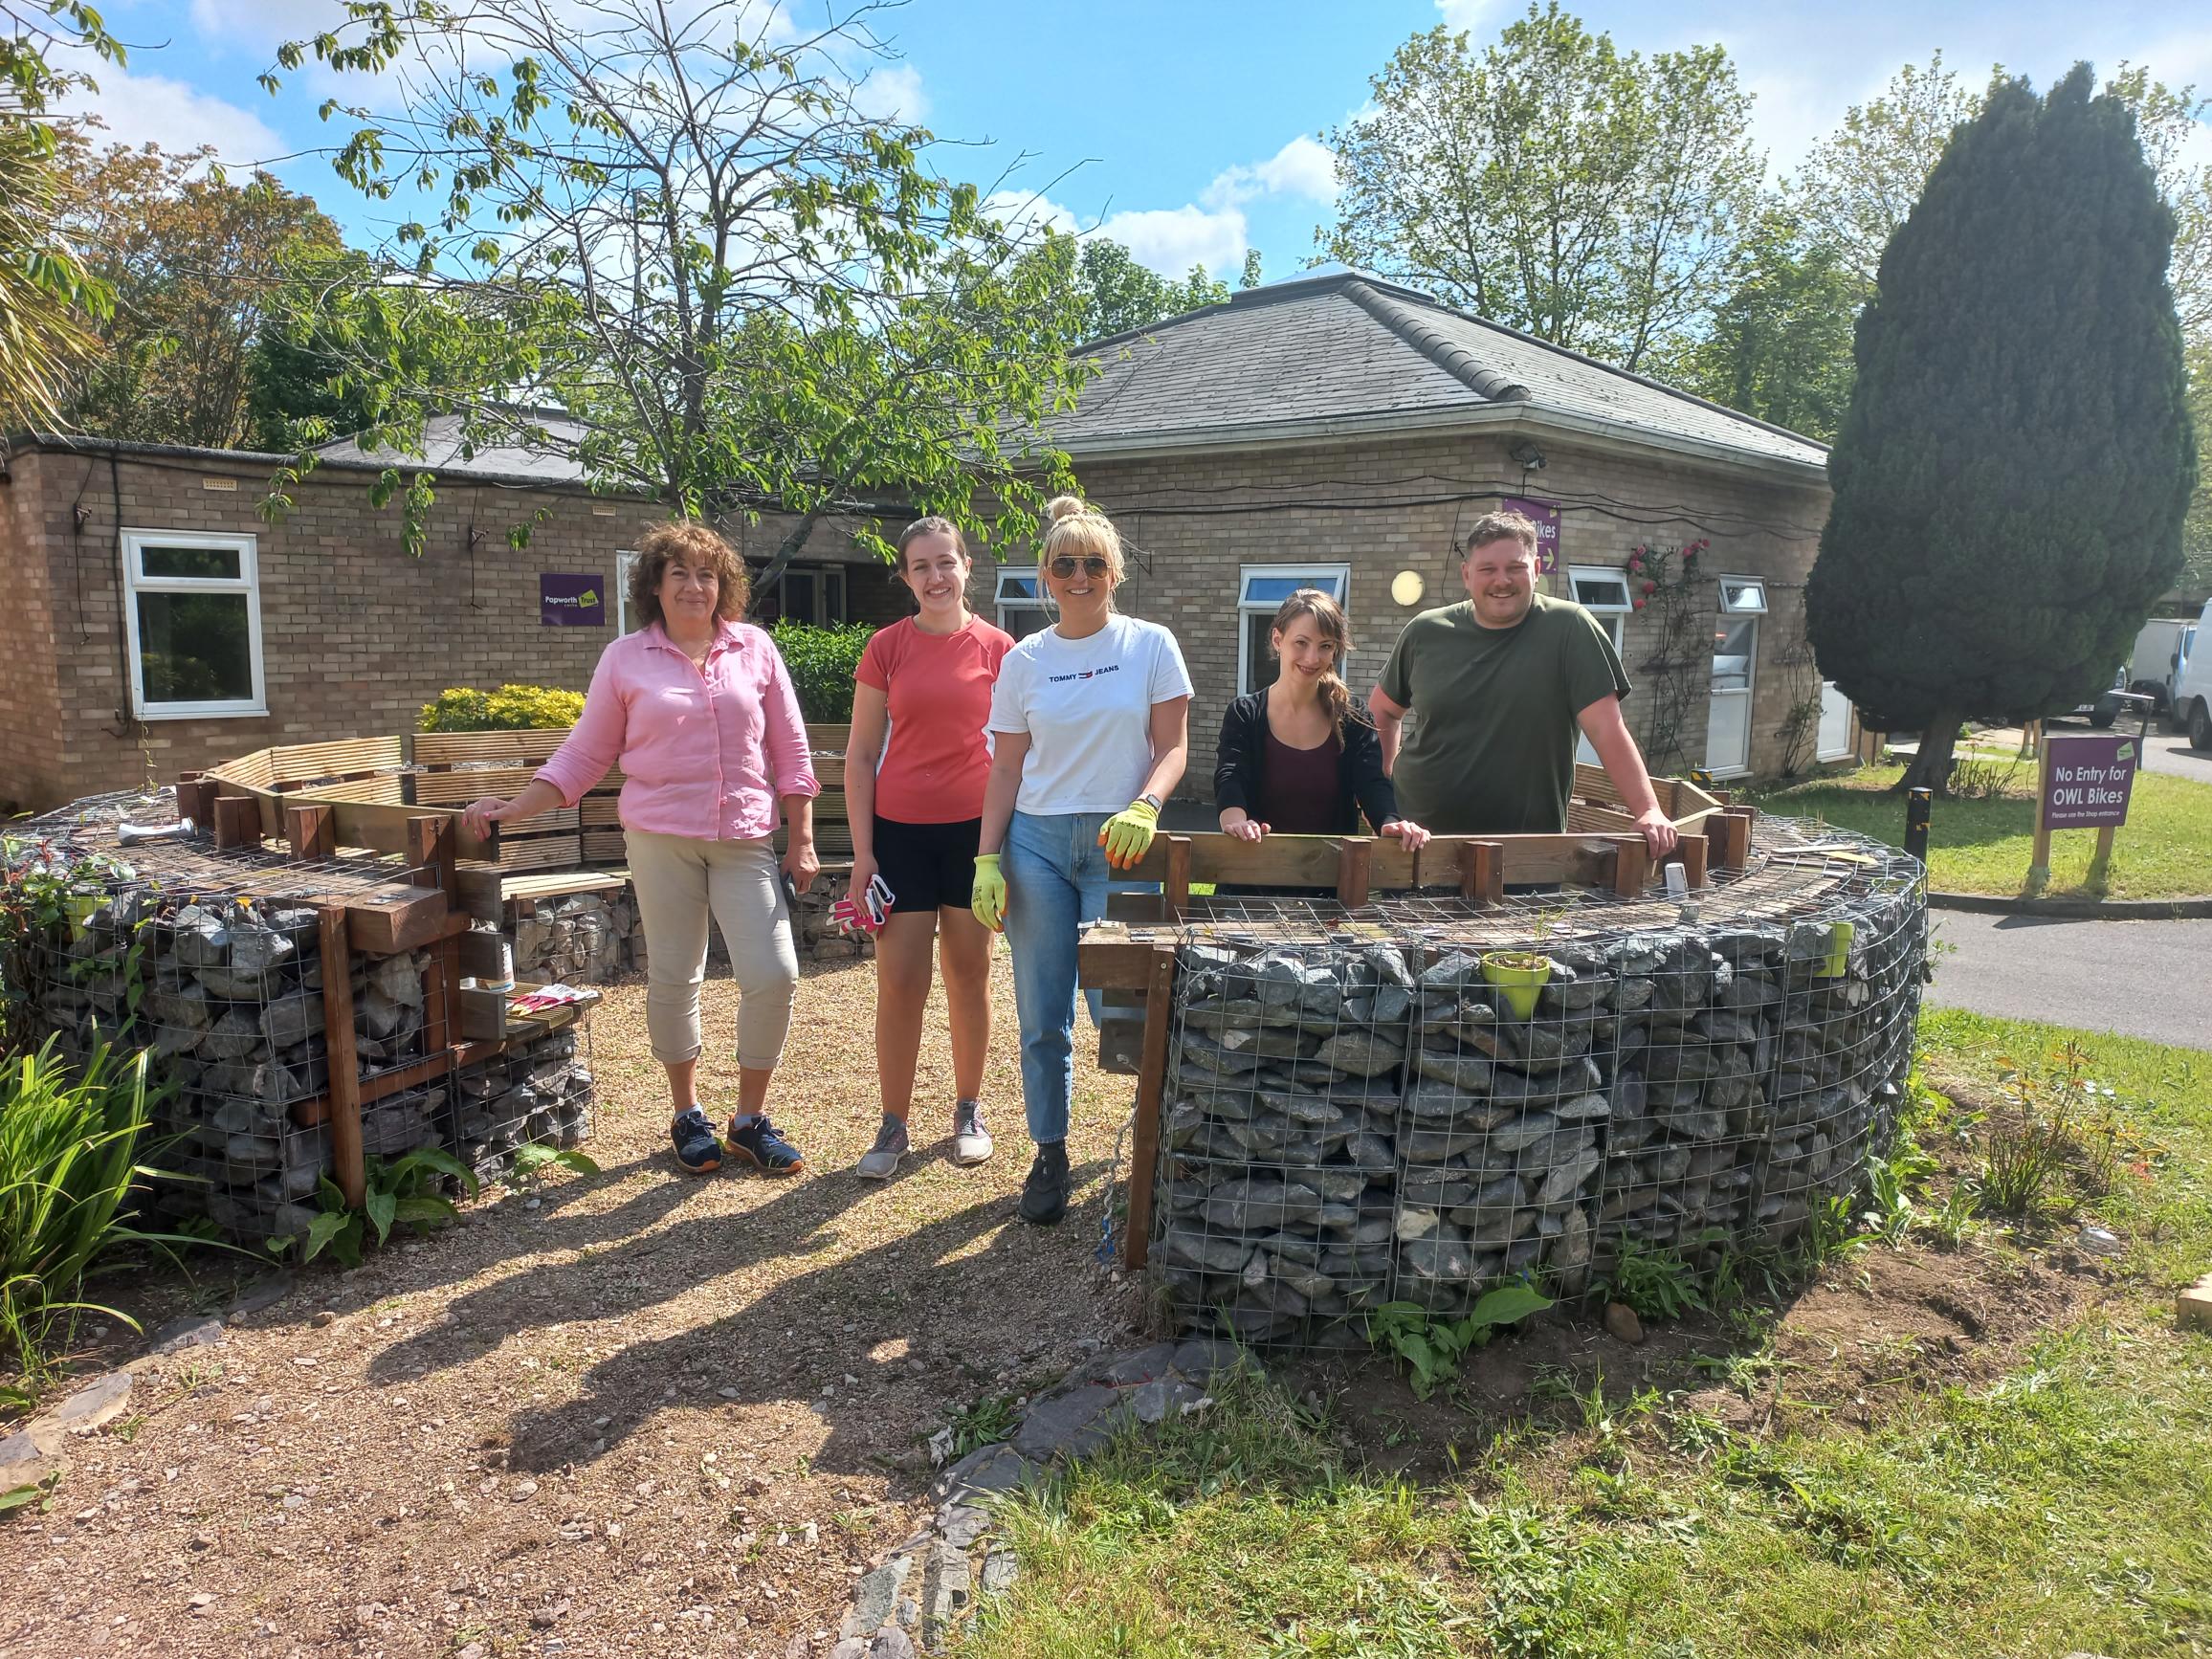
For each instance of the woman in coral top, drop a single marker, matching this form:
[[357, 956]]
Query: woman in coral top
[[698, 708], [916, 806]]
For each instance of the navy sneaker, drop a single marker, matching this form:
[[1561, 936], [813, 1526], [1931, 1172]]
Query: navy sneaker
[[695, 1147], [760, 1145], [1045, 1193]]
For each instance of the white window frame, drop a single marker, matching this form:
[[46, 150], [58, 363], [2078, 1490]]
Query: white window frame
[[1750, 601], [247, 581], [624, 562], [1614, 614], [1333, 579], [1007, 593]]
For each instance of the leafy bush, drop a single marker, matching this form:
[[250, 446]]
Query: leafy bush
[[822, 661], [1432, 1347], [69, 1145], [407, 1190], [512, 708]]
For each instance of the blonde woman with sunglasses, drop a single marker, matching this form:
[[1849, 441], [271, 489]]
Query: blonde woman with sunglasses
[[1091, 728]]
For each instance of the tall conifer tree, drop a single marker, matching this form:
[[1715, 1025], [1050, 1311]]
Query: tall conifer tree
[[2013, 470]]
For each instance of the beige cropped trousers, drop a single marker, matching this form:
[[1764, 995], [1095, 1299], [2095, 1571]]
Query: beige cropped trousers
[[679, 880]]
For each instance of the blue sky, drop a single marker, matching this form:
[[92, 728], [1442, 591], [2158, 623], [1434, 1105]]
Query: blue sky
[[1187, 130]]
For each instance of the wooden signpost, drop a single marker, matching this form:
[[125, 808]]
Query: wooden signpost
[[2084, 783]]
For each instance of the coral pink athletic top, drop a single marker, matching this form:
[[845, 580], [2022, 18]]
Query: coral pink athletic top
[[938, 687], [704, 752]]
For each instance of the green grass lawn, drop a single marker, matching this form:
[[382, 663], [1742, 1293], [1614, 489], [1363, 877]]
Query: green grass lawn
[[2164, 850], [2063, 1504]]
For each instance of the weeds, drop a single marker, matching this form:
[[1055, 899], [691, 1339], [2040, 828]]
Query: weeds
[[2046, 1121], [985, 1423], [1432, 1347], [533, 1158], [404, 1191], [1656, 1282]]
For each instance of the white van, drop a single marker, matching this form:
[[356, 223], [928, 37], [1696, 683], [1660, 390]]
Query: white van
[[2193, 690], [2151, 664]]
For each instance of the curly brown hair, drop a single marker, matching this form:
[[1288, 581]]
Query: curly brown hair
[[699, 544]]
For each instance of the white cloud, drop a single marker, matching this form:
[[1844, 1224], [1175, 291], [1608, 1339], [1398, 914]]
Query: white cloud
[[1466, 13], [138, 109], [1171, 241], [892, 92], [1305, 166]]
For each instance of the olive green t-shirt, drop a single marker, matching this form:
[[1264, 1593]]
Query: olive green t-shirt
[[1491, 748]]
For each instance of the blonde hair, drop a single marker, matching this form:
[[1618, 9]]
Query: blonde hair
[[699, 544], [1335, 633], [1074, 530]]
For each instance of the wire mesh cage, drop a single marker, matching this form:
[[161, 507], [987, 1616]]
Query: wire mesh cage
[[541, 1092], [1422, 1099]]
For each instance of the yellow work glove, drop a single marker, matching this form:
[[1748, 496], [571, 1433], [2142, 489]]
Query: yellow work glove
[[1128, 833], [988, 898]]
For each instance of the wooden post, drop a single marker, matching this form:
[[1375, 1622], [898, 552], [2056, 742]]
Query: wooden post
[[1151, 1086], [1728, 841], [1175, 891], [431, 850], [1353, 854], [1631, 866], [196, 800], [1482, 872], [312, 832], [344, 1063], [237, 821], [2038, 860], [2101, 862], [1690, 852]]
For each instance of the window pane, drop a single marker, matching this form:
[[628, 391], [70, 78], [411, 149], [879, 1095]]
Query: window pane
[[195, 648], [1742, 596], [1732, 645], [1601, 592], [1274, 590], [832, 596], [1261, 666], [204, 563], [799, 600], [1013, 587]]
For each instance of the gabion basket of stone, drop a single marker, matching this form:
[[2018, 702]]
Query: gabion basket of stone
[[540, 1093], [1353, 1123]]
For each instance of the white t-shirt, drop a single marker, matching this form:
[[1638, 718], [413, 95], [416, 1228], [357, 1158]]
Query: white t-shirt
[[1087, 707]]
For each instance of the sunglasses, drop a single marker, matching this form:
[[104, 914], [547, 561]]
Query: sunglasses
[[1064, 567]]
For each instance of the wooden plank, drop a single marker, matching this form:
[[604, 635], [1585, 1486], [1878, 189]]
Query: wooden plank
[[1144, 908], [478, 953], [476, 892], [249, 771], [312, 763], [541, 852], [829, 770], [430, 851], [1631, 866], [1151, 1085], [603, 845], [311, 830], [1353, 855], [196, 801], [1585, 818], [828, 738], [334, 926], [459, 748], [1482, 872], [1691, 853], [483, 1013], [1175, 890], [383, 829], [237, 821], [1728, 841], [459, 788], [554, 883], [600, 812], [388, 927], [1108, 957]]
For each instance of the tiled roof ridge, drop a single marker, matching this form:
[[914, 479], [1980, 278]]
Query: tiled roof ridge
[[1407, 321]]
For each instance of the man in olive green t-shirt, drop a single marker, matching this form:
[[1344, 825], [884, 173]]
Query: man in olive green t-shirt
[[1502, 683]]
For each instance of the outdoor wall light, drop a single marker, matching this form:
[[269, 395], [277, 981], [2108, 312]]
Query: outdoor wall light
[[1407, 588], [1528, 455]]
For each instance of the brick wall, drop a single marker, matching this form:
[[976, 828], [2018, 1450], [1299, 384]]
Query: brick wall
[[355, 634], [1190, 521]]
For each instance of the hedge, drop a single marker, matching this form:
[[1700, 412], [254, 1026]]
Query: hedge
[[822, 661], [512, 708]]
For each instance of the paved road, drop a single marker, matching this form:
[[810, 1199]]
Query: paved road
[[2163, 751], [2143, 979]]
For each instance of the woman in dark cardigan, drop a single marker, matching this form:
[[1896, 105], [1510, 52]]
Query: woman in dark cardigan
[[1298, 757]]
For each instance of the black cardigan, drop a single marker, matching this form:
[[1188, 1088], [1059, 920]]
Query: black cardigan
[[1240, 765]]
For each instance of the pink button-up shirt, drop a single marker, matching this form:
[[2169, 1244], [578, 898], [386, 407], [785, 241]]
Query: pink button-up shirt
[[704, 753]]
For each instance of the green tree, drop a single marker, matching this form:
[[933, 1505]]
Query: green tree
[[2013, 470], [1117, 294], [194, 261], [1780, 345], [2197, 530], [1549, 182], [689, 232]]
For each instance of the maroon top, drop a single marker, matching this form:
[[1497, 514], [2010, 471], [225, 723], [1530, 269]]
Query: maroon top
[[1298, 789]]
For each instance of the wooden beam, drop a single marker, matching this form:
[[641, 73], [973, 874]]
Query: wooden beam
[[1108, 958], [429, 849], [196, 800], [1691, 852], [1151, 1086], [344, 1061], [1631, 865], [1175, 888], [387, 926], [1482, 872], [311, 831], [1353, 854], [1728, 841], [237, 821]]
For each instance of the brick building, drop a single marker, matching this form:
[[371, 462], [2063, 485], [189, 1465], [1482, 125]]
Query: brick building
[[163, 623], [1341, 432]]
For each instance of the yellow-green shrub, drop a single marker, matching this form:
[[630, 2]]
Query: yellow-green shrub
[[511, 708]]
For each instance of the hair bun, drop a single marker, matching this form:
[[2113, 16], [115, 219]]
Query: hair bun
[[1064, 507]]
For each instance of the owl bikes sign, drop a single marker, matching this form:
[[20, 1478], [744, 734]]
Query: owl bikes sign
[[2086, 783]]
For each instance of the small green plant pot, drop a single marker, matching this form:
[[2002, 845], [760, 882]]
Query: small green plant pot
[[1521, 975]]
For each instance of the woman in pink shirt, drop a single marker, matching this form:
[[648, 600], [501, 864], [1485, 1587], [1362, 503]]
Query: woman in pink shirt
[[916, 812], [698, 707]]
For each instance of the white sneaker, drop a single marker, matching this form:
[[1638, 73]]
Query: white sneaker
[[880, 1162], [971, 1141]]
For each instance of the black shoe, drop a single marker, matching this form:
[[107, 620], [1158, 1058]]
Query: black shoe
[[695, 1147], [1045, 1193], [759, 1144]]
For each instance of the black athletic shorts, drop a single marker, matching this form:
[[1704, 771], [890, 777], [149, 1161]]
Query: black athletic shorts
[[927, 866]]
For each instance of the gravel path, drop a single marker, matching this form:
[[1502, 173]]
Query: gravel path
[[653, 1415]]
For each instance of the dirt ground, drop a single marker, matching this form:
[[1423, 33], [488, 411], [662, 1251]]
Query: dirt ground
[[657, 1414], [652, 1414]]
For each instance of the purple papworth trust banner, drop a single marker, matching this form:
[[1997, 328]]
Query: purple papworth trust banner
[[2087, 782], [1545, 516], [572, 601]]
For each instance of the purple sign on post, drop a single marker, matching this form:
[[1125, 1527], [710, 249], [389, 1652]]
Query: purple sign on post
[[572, 601], [1545, 516], [2087, 782]]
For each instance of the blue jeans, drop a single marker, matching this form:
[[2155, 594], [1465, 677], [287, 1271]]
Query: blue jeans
[[1056, 881]]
